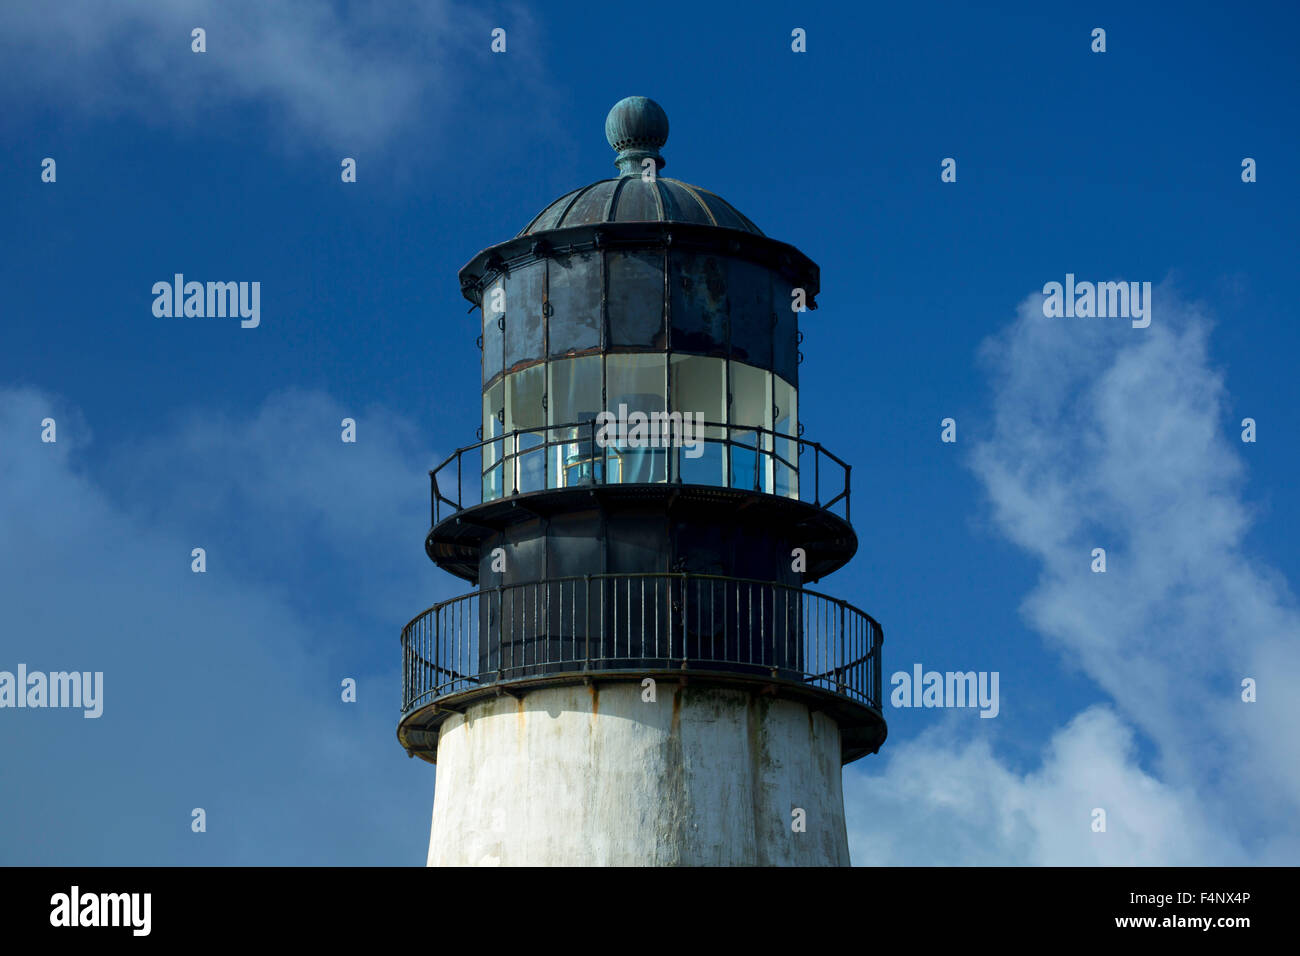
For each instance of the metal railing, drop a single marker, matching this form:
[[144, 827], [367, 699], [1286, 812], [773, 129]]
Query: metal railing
[[637, 623], [570, 455]]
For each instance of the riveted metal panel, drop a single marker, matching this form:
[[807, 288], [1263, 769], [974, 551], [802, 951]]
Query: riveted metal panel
[[575, 294], [524, 314], [698, 291], [636, 299], [749, 300], [575, 544], [493, 336], [637, 542], [785, 345]]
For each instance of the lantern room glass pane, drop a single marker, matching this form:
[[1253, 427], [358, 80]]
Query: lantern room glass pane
[[699, 387], [573, 398], [494, 448], [525, 421], [785, 417], [635, 384], [493, 337], [750, 414]]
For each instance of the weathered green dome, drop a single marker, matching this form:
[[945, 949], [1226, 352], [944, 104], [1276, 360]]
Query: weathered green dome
[[637, 127], [631, 199]]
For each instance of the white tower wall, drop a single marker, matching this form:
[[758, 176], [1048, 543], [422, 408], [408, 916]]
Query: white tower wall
[[596, 776]]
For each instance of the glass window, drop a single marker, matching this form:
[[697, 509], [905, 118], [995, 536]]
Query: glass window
[[636, 386], [573, 398], [750, 411], [493, 451], [493, 337], [699, 388], [526, 418], [785, 416]]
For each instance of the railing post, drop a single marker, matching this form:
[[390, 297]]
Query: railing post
[[685, 617], [514, 462], [848, 492], [501, 629], [876, 663], [841, 656], [726, 456], [587, 615], [817, 476]]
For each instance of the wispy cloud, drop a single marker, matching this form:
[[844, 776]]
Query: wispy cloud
[[351, 74], [221, 690], [306, 501], [1105, 436]]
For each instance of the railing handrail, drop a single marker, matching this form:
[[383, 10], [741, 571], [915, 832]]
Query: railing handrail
[[587, 423], [591, 424], [691, 575], [670, 619], [716, 630]]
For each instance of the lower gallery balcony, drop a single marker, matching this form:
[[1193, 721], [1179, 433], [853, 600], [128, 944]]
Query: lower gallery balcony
[[673, 627]]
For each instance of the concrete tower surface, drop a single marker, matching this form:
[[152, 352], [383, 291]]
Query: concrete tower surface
[[642, 676]]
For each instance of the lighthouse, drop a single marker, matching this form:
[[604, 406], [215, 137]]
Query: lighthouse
[[643, 673]]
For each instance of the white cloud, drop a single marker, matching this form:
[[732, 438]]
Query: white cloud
[[301, 493], [221, 690], [1107, 436], [947, 801], [354, 74]]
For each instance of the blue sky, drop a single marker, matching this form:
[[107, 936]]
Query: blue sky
[[1119, 691]]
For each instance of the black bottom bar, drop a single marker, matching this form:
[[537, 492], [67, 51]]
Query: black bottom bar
[[335, 907]]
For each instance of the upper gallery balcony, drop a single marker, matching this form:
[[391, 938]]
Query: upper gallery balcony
[[481, 488]]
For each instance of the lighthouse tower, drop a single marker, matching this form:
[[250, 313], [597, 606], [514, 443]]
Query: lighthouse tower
[[642, 675]]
